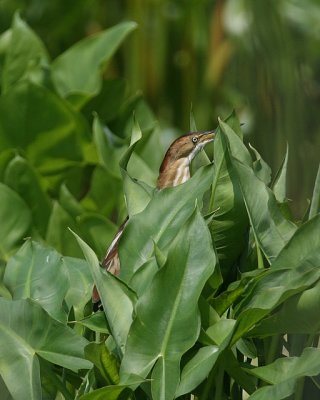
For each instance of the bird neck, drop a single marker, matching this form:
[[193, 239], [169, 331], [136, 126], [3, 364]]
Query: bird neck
[[174, 173]]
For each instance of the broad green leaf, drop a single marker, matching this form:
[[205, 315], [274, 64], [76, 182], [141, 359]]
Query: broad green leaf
[[106, 362], [315, 201], [109, 148], [160, 221], [271, 290], [137, 194], [158, 344], [260, 167], [25, 56], [25, 180], [97, 230], [15, 219], [21, 344], [299, 314], [279, 186], [58, 235], [197, 369], [110, 393], [96, 322], [272, 231], [37, 272], [117, 299], [284, 372], [302, 248], [79, 290], [229, 223], [82, 80], [47, 129]]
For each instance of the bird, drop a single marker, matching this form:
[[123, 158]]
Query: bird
[[174, 170]]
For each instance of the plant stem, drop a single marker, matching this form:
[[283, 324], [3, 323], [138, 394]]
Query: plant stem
[[271, 355]]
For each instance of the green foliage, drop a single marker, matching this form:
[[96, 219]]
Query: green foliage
[[219, 287]]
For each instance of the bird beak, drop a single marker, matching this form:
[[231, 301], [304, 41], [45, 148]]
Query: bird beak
[[209, 136]]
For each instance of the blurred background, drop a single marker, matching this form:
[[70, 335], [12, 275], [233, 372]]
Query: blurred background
[[261, 58]]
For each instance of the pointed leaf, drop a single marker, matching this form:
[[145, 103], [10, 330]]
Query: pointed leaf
[[37, 272], [15, 219], [279, 186], [315, 201], [271, 229], [116, 298], [197, 369], [159, 343], [26, 52], [284, 372], [25, 180], [82, 80], [21, 344], [160, 221]]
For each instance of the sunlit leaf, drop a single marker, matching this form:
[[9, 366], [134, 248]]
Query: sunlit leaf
[[161, 342], [21, 344]]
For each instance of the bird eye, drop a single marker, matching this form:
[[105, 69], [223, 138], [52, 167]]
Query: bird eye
[[194, 139]]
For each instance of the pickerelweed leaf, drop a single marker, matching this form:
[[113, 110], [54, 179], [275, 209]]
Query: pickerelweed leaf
[[270, 290], [37, 272], [25, 56], [160, 221], [106, 362], [297, 315], [229, 223], [284, 372], [197, 369], [272, 231], [80, 81], [117, 299], [26, 181], [279, 186], [22, 341], [158, 344], [15, 219], [260, 167], [53, 140], [315, 201]]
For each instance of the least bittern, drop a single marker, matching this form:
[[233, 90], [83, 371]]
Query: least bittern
[[174, 170]]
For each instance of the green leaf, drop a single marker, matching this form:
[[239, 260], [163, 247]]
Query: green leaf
[[271, 290], [272, 231], [25, 180], [110, 393], [315, 201], [79, 290], [298, 314], [58, 235], [197, 369], [21, 344], [260, 167], [106, 362], [79, 81], [279, 186], [284, 372], [117, 299], [25, 56], [37, 272], [229, 223], [160, 221], [48, 129], [161, 342], [302, 248], [137, 194], [15, 220], [96, 322]]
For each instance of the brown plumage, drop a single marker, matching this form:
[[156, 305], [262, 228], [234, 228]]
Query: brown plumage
[[174, 170]]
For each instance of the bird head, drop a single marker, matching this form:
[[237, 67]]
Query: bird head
[[179, 156]]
